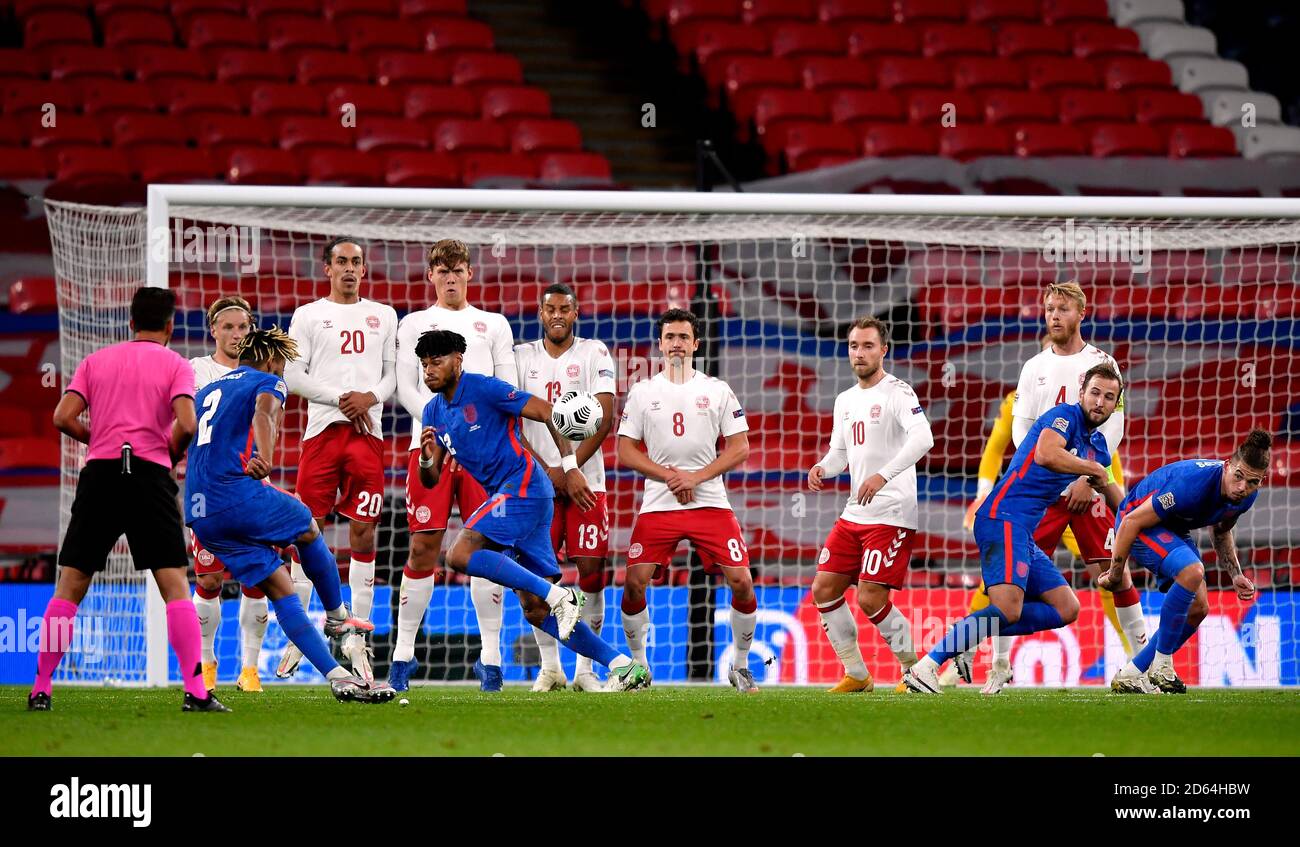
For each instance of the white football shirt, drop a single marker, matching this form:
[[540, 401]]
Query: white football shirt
[[871, 425], [1049, 379], [344, 346], [207, 369], [585, 366], [489, 350], [680, 426]]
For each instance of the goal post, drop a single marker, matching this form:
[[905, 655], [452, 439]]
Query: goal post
[[1197, 298]]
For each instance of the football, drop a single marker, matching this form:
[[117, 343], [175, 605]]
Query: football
[[577, 415]]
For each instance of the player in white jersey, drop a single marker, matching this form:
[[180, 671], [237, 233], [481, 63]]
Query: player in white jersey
[[229, 320], [346, 370], [678, 416], [1048, 379], [880, 432], [555, 364], [489, 351]]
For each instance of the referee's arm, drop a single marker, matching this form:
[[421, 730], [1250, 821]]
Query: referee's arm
[[183, 427], [68, 413]]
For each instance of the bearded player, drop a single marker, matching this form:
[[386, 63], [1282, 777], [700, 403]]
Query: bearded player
[[555, 364], [879, 434]]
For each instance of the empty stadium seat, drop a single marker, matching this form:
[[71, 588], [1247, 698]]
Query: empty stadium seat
[[942, 108], [185, 11], [240, 65], [1003, 11], [867, 107], [888, 140], [366, 35], [448, 34], [1105, 42], [70, 63], [222, 133], [462, 136], [1195, 74], [405, 69], [109, 99], [293, 35], [1072, 12], [1019, 107], [1126, 140], [1201, 141], [390, 134], [262, 166], [963, 142], [156, 64], [22, 64], [712, 46], [746, 78], [277, 100], [155, 163], [75, 163], [777, 13], [680, 12], [925, 11], [23, 96], [431, 102], [69, 129], [23, 163], [1016, 41], [805, 143], [872, 41], [973, 74], [476, 168], [45, 29], [260, 10], [344, 167], [574, 169], [1050, 74], [481, 70], [833, 73], [1165, 107], [1093, 107], [1049, 140], [414, 9], [1136, 75], [412, 169], [320, 67], [512, 102], [309, 134], [343, 10], [853, 11], [1263, 142], [364, 101], [136, 130], [544, 136], [134, 28], [903, 74], [210, 31], [951, 40], [187, 98], [774, 108], [792, 40]]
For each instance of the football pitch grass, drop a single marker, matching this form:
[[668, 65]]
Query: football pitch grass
[[663, 721]]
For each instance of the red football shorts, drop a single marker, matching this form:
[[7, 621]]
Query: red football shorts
[[876, 553], [204, 561], [429, 508], [342, 460], [713, 532], [1092, 529], [580, 534]]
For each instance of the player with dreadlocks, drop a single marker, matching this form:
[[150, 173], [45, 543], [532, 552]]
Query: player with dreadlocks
[[241, 518]]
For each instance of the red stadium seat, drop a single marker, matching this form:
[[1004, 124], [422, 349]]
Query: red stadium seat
[[925, 11], [366, 35], [715, 44], [1014, 108], [75, 163], [155, 163], [188, 98], [806, 143], [945, 41], [1136, 75], [367, 101], [70, 130], [410, 169], [22, 64], [342, 10], [964, 142], [1106, 42], [545, 136], [22, 96], [973, 74], [460, 136], [439, 102], [899, 74], [842, 12], [829, 74], [134, 28], [209, 31], [405, 69], [239, 65], [185, 11], [261, 166], [476, 168], [306, 135], [1168, 107], [137, 130], [292, 36], [747, 78], [771, 14], [932, 107], [480, 70], [680, 12], [260, 10], [414, 9], [574, 169], [156, 64], [331, 68], [1261, 264], [49, 28], [275, 100], [108, 99], [24, 9], [1071, 12], [220, 134], [19, 163], [1048, 74], [344, 167], [872, 41], [1201, 141], [1017, 41], [69, 63], [391, 134], [793, 40], [513, 102], [1004, 11], [774, 108], [1035, 140], [888, 140], [867, 107], [33, 295], [1123, 140], [449, 34], [1087, 108]]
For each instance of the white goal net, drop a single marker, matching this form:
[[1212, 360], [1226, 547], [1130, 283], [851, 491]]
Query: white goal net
[[1199, 301]]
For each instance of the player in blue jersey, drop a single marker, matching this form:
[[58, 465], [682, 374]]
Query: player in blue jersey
[[1153, 526], [1026, 592], [477, 419], [241, 519]]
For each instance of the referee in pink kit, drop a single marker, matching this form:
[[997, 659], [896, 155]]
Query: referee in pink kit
[[141, 396]]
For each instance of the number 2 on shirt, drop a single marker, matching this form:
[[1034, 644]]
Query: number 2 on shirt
[[354, 339], [210, 404]]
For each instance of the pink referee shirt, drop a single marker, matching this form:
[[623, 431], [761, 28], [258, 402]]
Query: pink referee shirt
[[129, 388]]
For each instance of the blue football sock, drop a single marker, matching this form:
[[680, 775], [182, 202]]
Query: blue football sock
[[1187, 633], [1173, 616], [968, 632], [298, 627], [323, 571], [1143, 659], [583, 641], [1034, 617], [503, 570]]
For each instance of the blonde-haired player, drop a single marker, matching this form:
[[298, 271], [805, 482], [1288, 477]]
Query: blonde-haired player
[[229, 320], [880, 433]]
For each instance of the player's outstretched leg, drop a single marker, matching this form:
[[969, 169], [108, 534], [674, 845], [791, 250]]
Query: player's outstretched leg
[[302, 587], [966, 634], [625, 674], [253, 615]]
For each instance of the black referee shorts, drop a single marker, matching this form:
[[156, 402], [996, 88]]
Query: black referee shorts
[[140, 505]]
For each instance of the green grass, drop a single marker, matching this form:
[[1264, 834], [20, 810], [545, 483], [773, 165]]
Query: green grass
[[668, 721]]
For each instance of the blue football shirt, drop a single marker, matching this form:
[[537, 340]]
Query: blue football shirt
[[481, 428], [1187, 495], [214, 477], [1022, 495]]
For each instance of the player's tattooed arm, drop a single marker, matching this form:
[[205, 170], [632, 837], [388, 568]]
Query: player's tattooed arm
[[431, 451], [266, 424], [1225, 545], [537, 409]]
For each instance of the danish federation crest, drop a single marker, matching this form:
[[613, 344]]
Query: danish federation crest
[[702, 402], [634, 551], [422, 514], [479, 326], [573, 371], [875, 411], [372, 322]]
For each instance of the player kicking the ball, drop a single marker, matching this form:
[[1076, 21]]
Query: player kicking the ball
[[475, 419], [1154, 527], [1027, 593], [229, 320], [678, 416], [557, 363], [347, 371], [879, 434], [242, 519]]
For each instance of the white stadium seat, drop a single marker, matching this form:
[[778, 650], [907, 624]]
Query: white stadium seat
[[1164, 41], [1263, 142], [1193, 75], [1224, 107]]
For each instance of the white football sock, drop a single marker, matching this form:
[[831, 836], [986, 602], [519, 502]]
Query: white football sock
[[1134, 624], [361, 579], [897, 632], [337, 673], [252, 627], [842, 632], [548, 648], [486, 596], [634, 629], [1162, 660], [301, 584], [209, 612], [593, 615], [742, 636], [415, 594], [1002, 651]]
